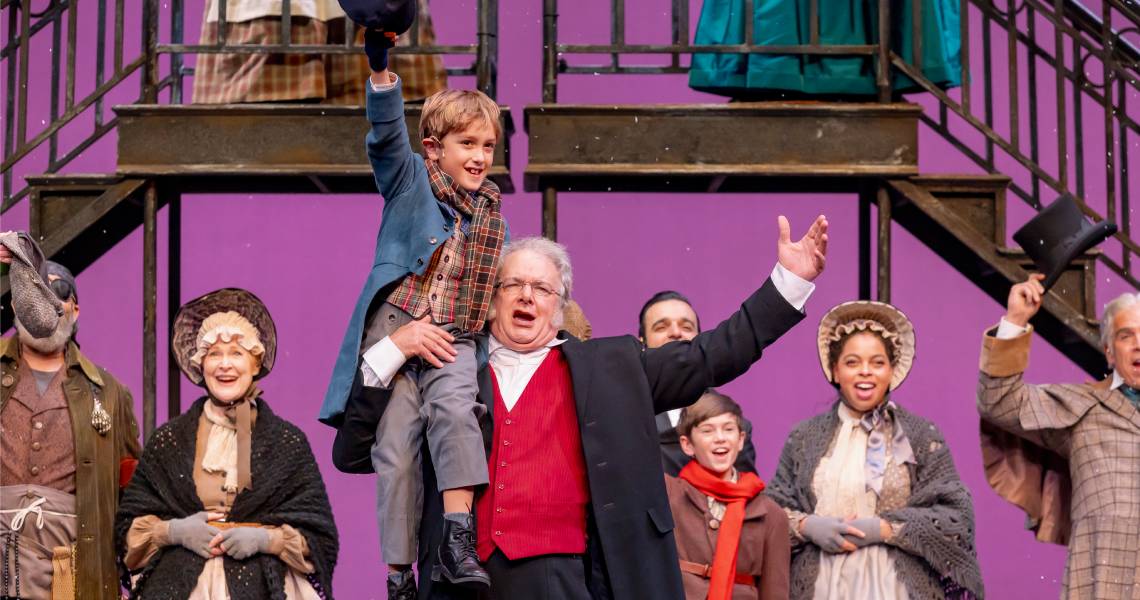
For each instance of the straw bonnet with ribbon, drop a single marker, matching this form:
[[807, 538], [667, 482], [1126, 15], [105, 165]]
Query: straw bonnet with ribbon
[[895, 329], [225, 315]]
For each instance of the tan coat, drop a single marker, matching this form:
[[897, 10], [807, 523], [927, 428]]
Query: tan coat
[[764, 551], [1069, 455], [97, 461]]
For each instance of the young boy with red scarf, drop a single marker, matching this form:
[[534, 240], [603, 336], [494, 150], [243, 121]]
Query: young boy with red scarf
[[731, 540]]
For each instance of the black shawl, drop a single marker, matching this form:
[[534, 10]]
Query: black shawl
[[934, 553], [287, 490]]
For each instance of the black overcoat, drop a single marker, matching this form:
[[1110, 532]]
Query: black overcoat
[[618, 388]]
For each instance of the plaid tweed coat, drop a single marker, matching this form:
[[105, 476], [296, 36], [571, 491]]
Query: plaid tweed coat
[[1069, 455]]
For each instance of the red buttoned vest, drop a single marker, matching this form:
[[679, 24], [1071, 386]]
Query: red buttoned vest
[[536, 501]]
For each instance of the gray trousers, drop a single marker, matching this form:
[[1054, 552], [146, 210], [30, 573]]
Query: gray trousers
[[442, 401]]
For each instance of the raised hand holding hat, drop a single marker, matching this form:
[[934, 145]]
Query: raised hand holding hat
[[383, 21]]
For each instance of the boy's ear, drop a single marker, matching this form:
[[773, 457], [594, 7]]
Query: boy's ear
[[687, 446], [433, 149]]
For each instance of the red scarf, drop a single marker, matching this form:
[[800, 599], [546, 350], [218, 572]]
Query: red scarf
[[734, 496]]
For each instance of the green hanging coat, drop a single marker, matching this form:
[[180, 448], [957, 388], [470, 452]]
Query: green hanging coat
[[786, 23]]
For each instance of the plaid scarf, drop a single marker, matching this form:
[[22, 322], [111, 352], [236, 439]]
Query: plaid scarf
[[484, 242]]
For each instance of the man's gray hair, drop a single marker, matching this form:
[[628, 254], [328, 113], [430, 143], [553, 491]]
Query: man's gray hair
[[553, 251], [1107, 321]]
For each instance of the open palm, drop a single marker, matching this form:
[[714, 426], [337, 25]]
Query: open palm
[[805, 258]]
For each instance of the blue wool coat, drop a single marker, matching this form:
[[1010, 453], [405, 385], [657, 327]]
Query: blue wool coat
[[413, 226]]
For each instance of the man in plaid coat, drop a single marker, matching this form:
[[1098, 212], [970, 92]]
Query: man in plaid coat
[[1068, 454], [411, 340]]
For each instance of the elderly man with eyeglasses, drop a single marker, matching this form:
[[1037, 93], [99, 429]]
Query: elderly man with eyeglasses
[[68, 444], [576, 505]]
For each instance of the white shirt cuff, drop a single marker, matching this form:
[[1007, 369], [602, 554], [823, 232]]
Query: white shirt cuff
[[383, 87], [795, 289], [1007, 330], [380, 364]]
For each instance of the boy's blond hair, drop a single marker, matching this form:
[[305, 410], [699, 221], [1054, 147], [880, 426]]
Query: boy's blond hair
[[455, 110]]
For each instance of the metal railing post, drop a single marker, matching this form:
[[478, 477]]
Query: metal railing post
[[150, 299], [883, 73], [883, 289], [549, 51], [486, 71], [150, 48], [173, 297]]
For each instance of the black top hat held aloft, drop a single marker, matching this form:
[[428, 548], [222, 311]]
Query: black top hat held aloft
[[1058, 234], [395, 16]]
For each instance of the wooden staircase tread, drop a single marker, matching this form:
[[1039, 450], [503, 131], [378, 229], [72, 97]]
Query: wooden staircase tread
[[962, 177], [70, 180], [1090, 254]]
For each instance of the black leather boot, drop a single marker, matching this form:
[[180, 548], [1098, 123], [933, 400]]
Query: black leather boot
[[402, 586], [457, 560]]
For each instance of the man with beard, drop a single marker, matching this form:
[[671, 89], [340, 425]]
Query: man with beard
[[68, 443]]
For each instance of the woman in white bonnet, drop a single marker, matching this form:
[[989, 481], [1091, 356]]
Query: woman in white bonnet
[[875, 506], [227, 501]]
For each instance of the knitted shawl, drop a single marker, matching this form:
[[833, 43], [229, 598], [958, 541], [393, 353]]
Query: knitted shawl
[[287, 490], [933, 553]]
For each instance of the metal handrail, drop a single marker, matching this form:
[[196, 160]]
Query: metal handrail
[[1089, 37], [158, 74]]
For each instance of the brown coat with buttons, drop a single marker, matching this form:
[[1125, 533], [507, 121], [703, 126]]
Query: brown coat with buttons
[[102, 462], [764, 551]]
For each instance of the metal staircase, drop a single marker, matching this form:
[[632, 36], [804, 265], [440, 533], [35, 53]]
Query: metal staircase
[[872, 149]]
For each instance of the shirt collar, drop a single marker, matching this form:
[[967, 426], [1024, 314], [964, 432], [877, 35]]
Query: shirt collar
[[496, 349], [1117, 380]]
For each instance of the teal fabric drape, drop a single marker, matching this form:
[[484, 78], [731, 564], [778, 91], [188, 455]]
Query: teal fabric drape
[[786, 23]]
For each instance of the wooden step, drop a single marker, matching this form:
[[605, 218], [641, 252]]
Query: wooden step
[[708, 147], [979, 200], [263, 148], [1063, 320]]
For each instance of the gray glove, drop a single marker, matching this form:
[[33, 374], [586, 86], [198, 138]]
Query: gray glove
[[871, 528], [244, 542], [192, 533], [825, 532]]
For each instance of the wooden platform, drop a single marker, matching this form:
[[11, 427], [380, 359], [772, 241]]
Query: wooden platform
[[717, 147], [263, 148]]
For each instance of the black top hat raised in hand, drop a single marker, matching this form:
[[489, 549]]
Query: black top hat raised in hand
[[1058, 234], [393, 16]]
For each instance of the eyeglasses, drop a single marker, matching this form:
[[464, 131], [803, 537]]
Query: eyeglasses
[[514, 287], [63, 289]]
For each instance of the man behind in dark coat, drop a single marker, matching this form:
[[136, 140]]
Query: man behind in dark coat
[[665, 317], [576, 506]]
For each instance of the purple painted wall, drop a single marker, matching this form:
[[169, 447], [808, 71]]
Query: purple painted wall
[[306, 257]]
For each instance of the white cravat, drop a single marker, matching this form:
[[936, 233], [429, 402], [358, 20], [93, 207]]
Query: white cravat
[[513, 370]]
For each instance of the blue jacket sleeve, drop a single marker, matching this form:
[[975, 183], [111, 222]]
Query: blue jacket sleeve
[[389, 151]]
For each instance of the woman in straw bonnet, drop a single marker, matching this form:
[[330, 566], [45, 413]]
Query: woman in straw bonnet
[[227, 501], [874, 504]]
